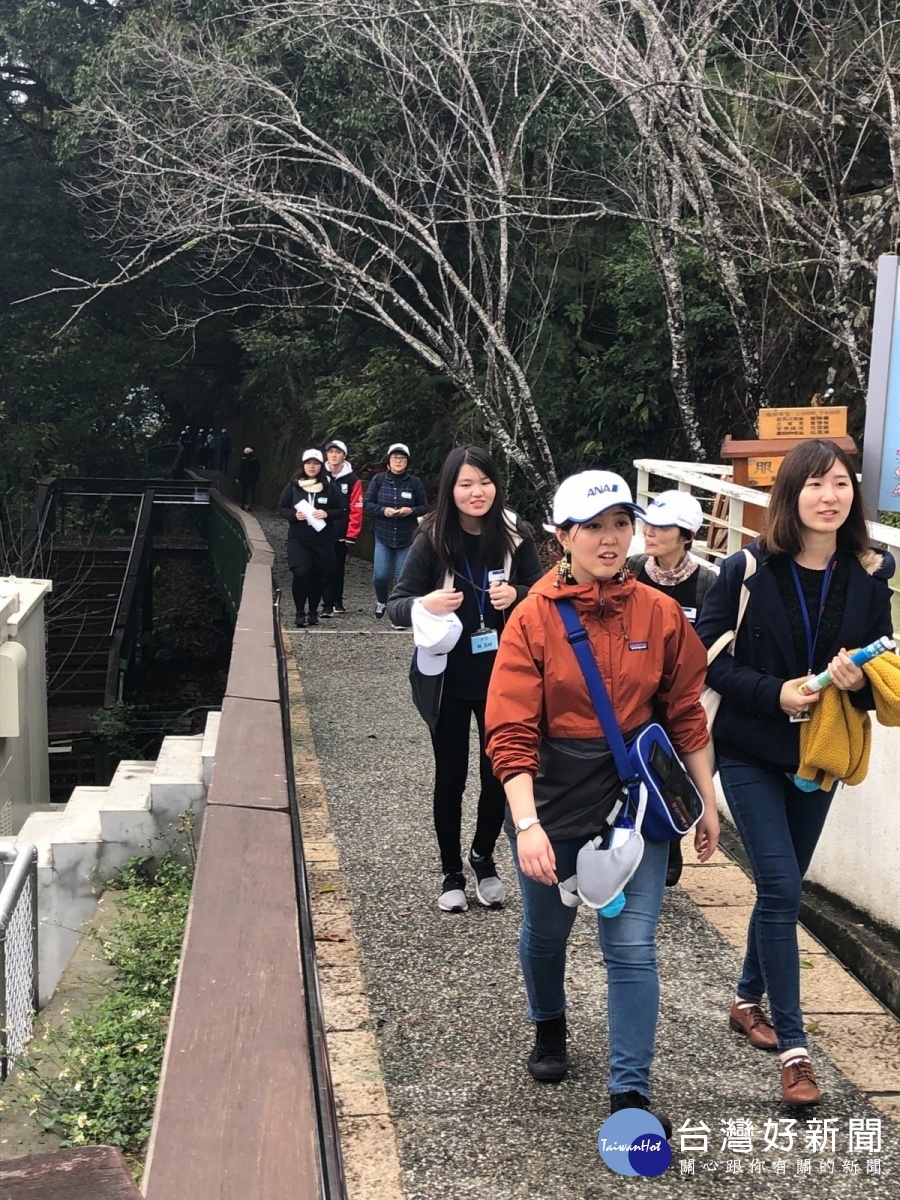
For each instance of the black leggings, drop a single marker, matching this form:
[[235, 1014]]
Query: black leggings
[[315, 565], [333, 591], [450, 741]]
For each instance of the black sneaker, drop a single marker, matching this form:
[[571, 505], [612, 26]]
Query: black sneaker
[[547, 1062], [488, 885], [380, 610], [453, 893], [636, 1100], [339, 610], [312, 619], [676, 863], [300, 621], [326, 614]]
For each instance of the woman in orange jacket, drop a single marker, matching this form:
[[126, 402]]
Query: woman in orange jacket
[[548, 749]]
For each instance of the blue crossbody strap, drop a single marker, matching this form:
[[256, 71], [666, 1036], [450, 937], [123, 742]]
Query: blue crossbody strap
[[578, 640]]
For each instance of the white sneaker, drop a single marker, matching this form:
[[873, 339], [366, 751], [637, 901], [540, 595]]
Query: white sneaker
[[453, 893], [379, 611]]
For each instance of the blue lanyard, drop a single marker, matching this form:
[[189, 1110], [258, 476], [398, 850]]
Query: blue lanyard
[[479, 595], [812, 642]]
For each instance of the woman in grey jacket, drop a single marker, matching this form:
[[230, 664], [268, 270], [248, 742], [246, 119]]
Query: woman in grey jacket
[[477, 559]]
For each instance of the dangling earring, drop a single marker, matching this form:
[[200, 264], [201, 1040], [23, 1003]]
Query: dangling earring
[[564, 569]]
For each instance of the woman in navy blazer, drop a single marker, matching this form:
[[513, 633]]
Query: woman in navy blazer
[[818, 588]]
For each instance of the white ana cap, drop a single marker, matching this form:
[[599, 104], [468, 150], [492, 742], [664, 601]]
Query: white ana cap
[[398, 448], [581, 497], [247, 450], [434, 636], [336, 445], [316, 454], [675, 508]]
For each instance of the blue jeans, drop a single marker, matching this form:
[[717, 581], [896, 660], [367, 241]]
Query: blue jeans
[[389, 562], [628, 942], [780, 826]]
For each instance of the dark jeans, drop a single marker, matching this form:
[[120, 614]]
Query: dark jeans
[[450, 741], [248, 495], [779, 825], [333, 590], [316, 564]]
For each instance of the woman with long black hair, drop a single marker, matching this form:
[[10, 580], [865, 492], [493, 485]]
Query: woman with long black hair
[[477, 559], [815, 587]]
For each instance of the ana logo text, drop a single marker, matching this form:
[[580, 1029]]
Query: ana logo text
[[606, 487]]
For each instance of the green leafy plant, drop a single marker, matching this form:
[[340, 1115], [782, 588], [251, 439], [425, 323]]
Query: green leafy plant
[[115, 725], [95, 1081]]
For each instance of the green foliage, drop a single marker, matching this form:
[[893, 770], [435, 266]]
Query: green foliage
[[116, 726], [95, 1082], [391, 397]]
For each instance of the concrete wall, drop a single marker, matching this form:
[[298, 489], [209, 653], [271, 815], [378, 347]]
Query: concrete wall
[[24, 763], [858, 857]]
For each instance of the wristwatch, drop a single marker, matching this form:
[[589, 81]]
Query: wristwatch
[[526, 823]]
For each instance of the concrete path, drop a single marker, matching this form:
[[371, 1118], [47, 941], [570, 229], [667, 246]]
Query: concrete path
[[426, 1010]]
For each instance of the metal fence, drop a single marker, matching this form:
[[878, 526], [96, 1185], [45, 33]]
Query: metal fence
[[18, 951]]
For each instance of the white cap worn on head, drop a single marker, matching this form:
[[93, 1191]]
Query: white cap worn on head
[[334, 444], [675, 508], [398, 448], [247, 450], [316, 454], [434, 636], [581, 497]]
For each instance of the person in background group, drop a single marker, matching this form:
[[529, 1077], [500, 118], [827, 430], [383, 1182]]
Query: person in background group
[[817, 589], [186, 442], [469, 534], [223, 452], [549, 749], [210, 450], [347, 526], [201, 448], [670, 524], [248, 477], [311, 505], [395, 500]]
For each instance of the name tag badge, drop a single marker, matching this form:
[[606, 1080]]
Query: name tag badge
[[406, 495], [799, 718], [484, 641], [691, 614]]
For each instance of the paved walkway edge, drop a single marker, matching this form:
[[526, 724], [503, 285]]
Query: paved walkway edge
[[367, 1132]]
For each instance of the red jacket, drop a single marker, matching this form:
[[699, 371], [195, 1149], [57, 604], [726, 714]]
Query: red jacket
[[652, 662]]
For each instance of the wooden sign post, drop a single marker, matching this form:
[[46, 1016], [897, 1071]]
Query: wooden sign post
[[756, 462]]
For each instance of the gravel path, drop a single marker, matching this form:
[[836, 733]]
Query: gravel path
[[447, 999]]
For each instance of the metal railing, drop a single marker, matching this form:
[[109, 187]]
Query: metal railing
[[18, 951], [124, 628], [727, 528]]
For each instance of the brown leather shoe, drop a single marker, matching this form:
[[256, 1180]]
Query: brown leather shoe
[[798, 1084], [754, 1025]]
